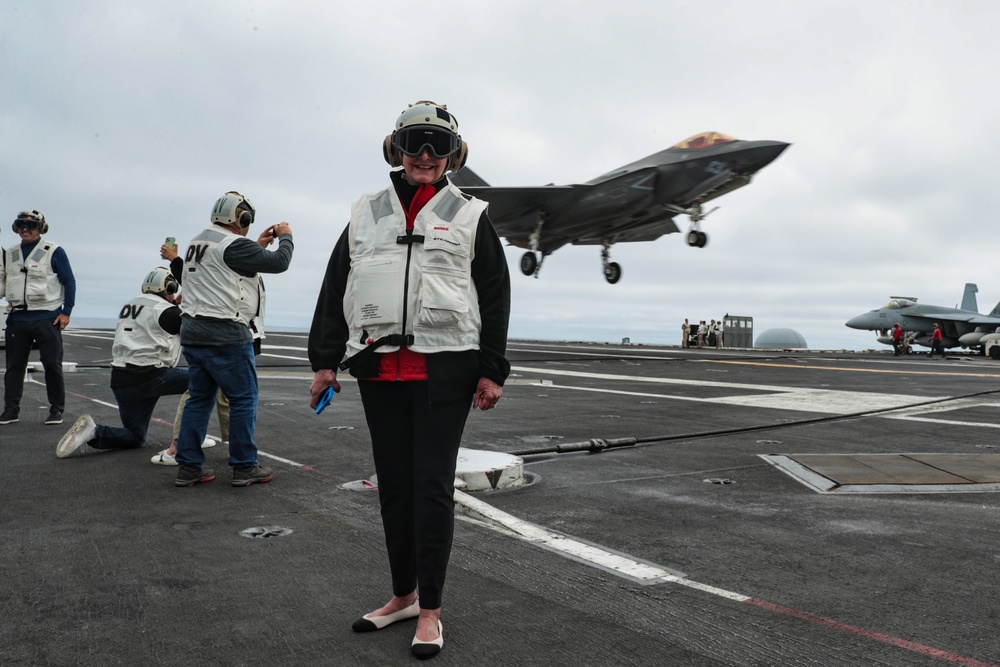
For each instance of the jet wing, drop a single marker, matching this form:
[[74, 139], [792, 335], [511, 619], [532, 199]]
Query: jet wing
[[515, 210], [945, 317], [649, 228], [971, 318], [511, 204]]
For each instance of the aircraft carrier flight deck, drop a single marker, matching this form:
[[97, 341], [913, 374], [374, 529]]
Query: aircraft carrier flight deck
[[689, 507]]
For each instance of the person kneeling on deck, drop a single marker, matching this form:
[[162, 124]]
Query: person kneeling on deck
[[145, 352]]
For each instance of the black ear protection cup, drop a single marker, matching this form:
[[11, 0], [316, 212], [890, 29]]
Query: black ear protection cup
[[245, 208], [160, 281], [389, 152], [458, 159], [233, 208]]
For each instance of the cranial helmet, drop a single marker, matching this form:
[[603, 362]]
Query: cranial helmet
[[33, 219], [426, 124], [233, 208], [160, 281]]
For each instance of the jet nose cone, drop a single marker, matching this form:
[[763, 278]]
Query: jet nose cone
[[763, 153], [859, 322], [772, 149]]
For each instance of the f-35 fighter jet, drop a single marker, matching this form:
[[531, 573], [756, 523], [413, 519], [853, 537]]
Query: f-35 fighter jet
[[636, 202]]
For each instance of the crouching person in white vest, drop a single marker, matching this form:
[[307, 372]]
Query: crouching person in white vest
[[143, 368]]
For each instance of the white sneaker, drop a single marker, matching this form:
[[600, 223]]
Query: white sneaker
[[79, 434], [163, 459], [209, 442]]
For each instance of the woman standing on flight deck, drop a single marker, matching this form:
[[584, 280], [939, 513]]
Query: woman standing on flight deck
[[415, 303]]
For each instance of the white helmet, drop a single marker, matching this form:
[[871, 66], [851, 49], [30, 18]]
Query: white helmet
[[426, 124], [160, 281], [233, 208]]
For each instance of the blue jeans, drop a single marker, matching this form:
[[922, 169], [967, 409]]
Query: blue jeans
[[232, 369], [135, 406]]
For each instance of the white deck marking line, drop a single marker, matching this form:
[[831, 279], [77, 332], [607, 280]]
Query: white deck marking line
[[589, 554], [908, 371], [628, 357], [652, 380], [921, 414], [949, 422], [83, 396], [281, 356], [278, 458], [826, 401]]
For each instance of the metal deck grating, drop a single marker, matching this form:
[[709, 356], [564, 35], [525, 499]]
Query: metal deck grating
[[892, 473]]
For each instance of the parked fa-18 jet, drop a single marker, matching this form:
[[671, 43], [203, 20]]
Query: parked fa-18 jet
[[963, 326], [636, 202]]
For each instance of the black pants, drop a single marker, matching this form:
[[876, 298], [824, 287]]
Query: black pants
[[19, 337], [415, 446]]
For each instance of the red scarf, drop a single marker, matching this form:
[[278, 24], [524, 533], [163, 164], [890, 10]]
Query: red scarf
[[424, 194]]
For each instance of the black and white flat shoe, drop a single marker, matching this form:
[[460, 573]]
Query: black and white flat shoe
[[369, 623], [424, 650]]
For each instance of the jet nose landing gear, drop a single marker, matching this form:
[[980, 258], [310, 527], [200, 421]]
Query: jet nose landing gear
[[612, 270]]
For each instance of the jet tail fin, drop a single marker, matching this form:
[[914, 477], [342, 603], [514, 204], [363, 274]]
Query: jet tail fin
[[969, 298], [996, 311], [465, 177]]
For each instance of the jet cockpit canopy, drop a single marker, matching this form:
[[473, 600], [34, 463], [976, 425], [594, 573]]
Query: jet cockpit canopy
[[897, 302], [704, 140]]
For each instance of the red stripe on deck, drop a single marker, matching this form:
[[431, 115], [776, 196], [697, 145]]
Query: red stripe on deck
[[871, 634]]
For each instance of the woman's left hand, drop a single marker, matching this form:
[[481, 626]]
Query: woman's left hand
[[322, 380], [487, 395]]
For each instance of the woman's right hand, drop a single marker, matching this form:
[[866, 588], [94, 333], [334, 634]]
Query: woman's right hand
[[324, 378]]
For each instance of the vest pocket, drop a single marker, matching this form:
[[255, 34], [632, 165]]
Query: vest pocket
[[443, 296], [377, 292]]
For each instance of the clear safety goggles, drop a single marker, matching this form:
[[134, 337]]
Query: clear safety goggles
[[412, 141]]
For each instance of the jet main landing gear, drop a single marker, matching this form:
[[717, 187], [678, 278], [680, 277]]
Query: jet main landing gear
[[529, 263], [697, 239]]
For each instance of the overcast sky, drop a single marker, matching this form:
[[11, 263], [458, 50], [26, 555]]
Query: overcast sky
[[123, 121]]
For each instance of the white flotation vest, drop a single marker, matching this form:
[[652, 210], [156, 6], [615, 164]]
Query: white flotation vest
[[139, 338], [211, 288], [423, 289], [30, 282]]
